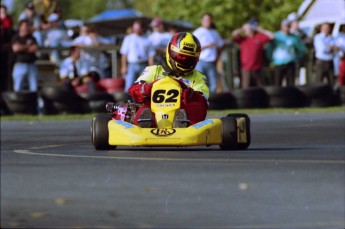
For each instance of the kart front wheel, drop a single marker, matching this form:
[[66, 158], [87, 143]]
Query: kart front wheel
[[100, 132], [235, 132]]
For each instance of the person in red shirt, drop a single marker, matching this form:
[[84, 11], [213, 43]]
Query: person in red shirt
[[252, 40], [5, 18]]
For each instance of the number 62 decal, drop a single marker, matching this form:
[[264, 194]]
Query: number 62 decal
[[169, 96]]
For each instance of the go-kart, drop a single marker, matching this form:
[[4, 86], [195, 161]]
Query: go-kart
[[230, 133]]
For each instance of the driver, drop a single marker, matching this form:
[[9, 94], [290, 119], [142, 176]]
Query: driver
[[182, 55]]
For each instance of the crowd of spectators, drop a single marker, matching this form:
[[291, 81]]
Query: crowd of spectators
[[41, 25], [285, 51]]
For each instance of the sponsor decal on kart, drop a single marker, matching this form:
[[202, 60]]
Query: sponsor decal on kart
[[166, 105], [163, 132], [203, 123], [127, 125], [241, 130]]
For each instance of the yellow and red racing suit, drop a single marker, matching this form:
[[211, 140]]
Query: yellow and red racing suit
[[195, 100]]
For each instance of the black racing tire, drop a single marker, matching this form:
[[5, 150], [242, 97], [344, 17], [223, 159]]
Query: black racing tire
[[59, 94], [98, 106], [68, 108], [316, 90], [3, 107], [222, 101], [21, 102], [49, 108], [320, 95], [230, 137], [341, 92], [251, 98], [96, 101], [97, 96], [286, 97], [20, 97], [58, 100], [326, 101], [100, 132], [22, 108]]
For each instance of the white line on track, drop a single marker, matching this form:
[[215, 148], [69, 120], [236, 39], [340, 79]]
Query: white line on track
[[274, 161], [46, 147]]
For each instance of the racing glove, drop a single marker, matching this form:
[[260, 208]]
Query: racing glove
[[187, 92], [140, 92], [187, 95]]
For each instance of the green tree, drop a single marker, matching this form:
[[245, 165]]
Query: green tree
[[228, 14], [79, 9]]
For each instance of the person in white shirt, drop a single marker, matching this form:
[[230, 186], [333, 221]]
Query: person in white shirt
[[325, 49], [55, 37], [83, 39], [90, 38], [211, 46], [136, 53], [159, 39], [76, 71]]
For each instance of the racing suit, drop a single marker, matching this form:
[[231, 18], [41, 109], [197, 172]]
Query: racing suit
[[194, 95]]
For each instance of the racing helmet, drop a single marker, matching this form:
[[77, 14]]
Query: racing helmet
[[183, 52]]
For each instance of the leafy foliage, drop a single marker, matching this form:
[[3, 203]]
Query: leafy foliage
[[228, 14]]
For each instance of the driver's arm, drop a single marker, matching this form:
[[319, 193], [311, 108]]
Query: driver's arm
[[141, 88]]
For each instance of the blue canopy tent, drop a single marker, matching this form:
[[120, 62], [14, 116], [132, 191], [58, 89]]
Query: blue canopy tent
[[115, 22]]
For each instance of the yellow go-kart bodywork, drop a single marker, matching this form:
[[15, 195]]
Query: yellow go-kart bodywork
[[207, 132], [231, 132]]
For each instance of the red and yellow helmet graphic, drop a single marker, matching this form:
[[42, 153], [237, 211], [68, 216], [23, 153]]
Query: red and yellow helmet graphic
[[183, 52]]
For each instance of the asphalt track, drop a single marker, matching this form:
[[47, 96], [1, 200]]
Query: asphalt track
[[292, 176]]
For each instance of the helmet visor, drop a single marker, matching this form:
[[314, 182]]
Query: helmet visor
[[184, 60]]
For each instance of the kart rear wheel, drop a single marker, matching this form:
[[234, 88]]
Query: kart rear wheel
[[100, 132], [235, 132]]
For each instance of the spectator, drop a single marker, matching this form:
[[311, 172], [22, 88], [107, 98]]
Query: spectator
[[251, 39], [293, 18], [325, 49], [6, 33], [55, 38], [83, 39], [24, 46], [159, 39], [5, 18], [61, 21], [137, 52], [102, 58], [76, 72], [211, 45], [287, 50], [45, 7], [90, 38], [35, 21], [340, 43], [295, 29], [173, 30]]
